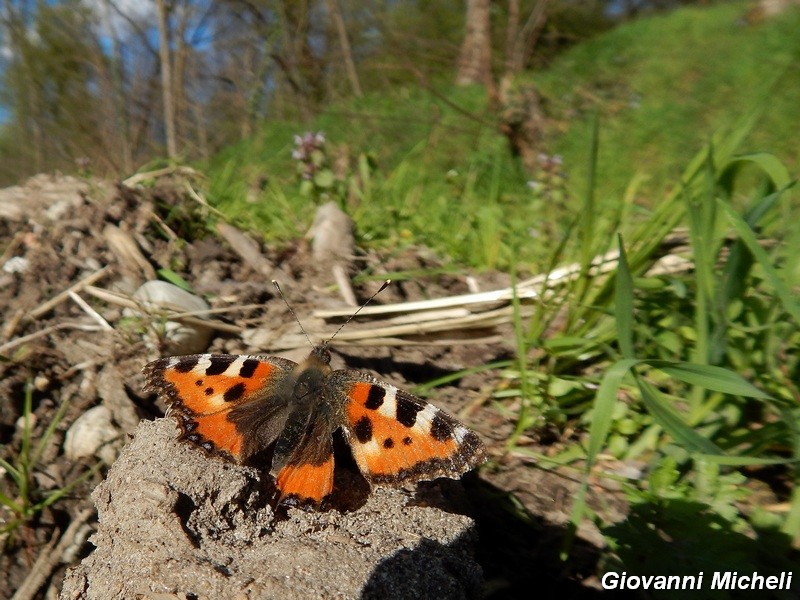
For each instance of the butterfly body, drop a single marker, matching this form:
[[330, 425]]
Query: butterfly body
[[240, 406]]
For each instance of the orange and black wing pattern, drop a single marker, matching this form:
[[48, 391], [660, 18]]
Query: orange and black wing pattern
[[396, 437], [224, 404], [303, 461]]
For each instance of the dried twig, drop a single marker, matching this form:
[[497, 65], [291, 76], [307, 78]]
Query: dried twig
[[137, 178], [90, 311], [59, 298], [469, 315], [43, 332], [51, 557], [186, 317], [345, 289]]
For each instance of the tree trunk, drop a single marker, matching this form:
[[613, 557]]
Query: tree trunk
[[526, 39], [344, 42], [166, 80], [474, 62]]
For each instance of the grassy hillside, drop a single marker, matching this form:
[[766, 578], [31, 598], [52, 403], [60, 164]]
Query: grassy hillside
[[663, 85], [410, 167]]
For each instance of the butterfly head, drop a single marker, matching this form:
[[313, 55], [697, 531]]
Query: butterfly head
[[321, 354]]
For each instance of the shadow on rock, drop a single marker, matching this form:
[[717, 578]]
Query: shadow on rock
[[430, 570]]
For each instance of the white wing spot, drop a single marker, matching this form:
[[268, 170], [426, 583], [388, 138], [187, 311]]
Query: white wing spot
[[460, 433], [389, 407], [202, 365], [371, 448], [427, 414]]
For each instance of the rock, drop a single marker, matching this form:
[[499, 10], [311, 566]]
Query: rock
[[182, 338], [51, 197], [172, 521], [92, 434], [332, 235]]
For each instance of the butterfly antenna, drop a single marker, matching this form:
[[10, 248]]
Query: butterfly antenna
[[351, 317], [291, 310]]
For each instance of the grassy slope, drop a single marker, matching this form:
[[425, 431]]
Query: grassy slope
[[662, 86]]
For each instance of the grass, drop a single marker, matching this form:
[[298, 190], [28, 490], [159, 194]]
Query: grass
[[690, 381], [691, 373], [26, 500], [662, 85]]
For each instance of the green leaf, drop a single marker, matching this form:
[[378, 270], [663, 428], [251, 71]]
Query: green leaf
[[324, 178], [604, 402], [710, 377], [175, 279], [748, 237], [623, 304], [769, 163], [743, 461], [673, 424]]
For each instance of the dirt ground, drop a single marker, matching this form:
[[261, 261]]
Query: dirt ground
[[73, 255]]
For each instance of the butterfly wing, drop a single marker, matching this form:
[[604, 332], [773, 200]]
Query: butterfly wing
[[396, 437], [226, 404], [303, 460]]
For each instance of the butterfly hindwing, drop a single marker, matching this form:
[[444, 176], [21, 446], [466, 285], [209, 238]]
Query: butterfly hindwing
[[206, 392], [397, 437], [303, 460]]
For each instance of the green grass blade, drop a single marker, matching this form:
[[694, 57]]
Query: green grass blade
[[768, 163], [623, 305], [424, 388], [604, 403], [605, 400], [748, 237], [673, 424], [522, 364], [56, 495], [37, 453], [710, 377], [745, 461], [11, 504], [10, 469], [175, 279]]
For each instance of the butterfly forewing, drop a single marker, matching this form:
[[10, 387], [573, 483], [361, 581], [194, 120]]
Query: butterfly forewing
[[203, 389]]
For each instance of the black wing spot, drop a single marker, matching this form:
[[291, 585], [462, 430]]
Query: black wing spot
[[248, 368], [388, 443], [234, 392], [219, 364], [209, 391], [187, 364], [375, 397], [407, 411], [407, 441], [199, 382], [363, 430], [441, 430]]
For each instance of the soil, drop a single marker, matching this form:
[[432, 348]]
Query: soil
[[175, 524]]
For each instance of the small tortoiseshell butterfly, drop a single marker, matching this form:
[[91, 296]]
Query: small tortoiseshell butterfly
[[238, 406]]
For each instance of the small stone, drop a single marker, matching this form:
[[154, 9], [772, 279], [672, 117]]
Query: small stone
[[92, 434], [182, 338]]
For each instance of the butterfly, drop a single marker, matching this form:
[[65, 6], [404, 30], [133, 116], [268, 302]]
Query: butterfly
[[238, 407]]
